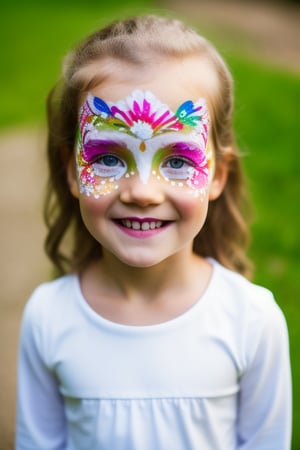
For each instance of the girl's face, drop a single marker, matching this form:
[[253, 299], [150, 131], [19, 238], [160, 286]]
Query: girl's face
[[144, 163]]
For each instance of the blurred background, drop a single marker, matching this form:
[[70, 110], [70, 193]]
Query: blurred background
[[260, 42]]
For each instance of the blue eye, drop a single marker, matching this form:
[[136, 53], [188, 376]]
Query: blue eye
[[176, 163], [109, 165], [177, 168], [109, 160]]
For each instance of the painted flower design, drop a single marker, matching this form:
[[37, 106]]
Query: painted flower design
[[143, 116], [142, 130]]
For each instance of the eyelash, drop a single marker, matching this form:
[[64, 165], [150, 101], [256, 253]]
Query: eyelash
[[177, 173], [101, 159], [104, 169], [184, 161]]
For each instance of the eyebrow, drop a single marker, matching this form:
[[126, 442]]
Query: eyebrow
[[189, 150], [96, 147]]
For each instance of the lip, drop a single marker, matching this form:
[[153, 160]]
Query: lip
[[141, 227]]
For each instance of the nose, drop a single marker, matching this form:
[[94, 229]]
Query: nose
[[137, 192]]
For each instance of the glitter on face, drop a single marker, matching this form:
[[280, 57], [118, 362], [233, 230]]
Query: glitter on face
[[142, 135]]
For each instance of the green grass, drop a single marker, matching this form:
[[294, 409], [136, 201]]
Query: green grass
[[267, 126], [36, 37]]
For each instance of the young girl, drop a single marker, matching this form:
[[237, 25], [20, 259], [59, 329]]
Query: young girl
[[151, 338]]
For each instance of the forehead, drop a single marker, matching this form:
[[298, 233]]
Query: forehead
[[143, 116], [173, 81]]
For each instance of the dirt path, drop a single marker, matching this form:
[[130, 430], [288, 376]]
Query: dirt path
[[23, 264], [269, 32], [266, 30]]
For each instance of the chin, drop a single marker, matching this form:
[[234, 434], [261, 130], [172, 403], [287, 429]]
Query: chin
[[139, 261]]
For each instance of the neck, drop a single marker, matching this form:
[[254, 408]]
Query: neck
[[132, 295], [177, 272]]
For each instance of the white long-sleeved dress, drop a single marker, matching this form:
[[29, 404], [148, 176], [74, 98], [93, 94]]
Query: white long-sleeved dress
[[215, 378]]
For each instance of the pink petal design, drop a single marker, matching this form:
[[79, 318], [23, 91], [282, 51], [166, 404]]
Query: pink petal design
[[118, 112]]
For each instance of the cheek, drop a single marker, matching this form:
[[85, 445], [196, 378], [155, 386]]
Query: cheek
[[192, 209], [94, 186], [93, 210]]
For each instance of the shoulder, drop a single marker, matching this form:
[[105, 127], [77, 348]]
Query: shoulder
[[253, 303], [50, 298], [249, 313], [236, 287], [50, 312]]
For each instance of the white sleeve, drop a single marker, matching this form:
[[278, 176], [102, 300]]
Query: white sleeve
[[40, 421], [264, 420]]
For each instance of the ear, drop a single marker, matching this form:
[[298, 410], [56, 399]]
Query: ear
[[72, 177], [219, 178]]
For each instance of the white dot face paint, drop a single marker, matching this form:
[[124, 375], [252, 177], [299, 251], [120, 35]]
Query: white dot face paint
[[140, 135]]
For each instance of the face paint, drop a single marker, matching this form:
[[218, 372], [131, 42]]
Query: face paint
[[142, 135]]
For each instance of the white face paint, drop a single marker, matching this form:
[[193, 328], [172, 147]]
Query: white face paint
[[140, 134]]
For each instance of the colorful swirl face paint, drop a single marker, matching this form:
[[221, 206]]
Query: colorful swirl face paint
[[142, 135]]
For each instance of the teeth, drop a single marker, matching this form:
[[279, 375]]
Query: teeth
[[145, 226], [135, 225]]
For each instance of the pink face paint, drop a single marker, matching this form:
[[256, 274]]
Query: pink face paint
[[184, 161], [140, 134], [108, 158]]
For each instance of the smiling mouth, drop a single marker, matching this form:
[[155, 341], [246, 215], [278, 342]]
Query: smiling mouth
[[142, 225]]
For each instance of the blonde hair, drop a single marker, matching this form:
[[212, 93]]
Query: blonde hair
[[139, 41]]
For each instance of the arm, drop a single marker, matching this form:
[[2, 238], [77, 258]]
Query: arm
[[264, 418], [41, 422]]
